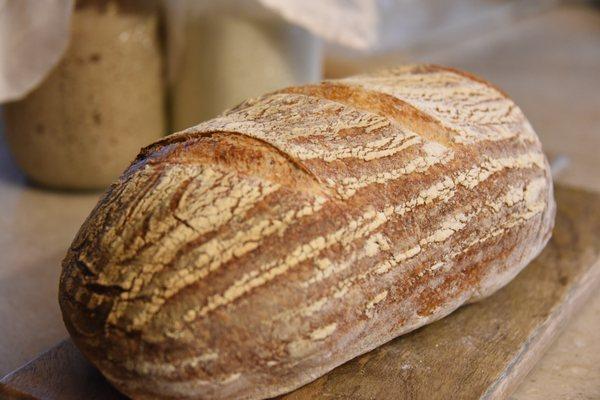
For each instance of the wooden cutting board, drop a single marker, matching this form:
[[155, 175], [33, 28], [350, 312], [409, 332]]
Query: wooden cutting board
[[481, 351]]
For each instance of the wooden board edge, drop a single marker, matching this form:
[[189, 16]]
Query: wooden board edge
[[546, 334]]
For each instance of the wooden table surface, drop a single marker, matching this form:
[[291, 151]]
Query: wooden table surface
[[549, 64]]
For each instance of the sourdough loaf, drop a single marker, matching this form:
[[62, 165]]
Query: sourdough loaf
[[250, 254]]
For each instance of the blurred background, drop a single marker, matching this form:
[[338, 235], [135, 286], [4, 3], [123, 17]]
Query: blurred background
[[85, 84]]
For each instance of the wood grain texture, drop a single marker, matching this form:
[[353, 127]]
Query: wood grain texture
[[60, 373], [251, 254], [472, 353]]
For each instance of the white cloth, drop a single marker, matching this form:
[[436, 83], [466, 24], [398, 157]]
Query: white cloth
[[351, 23], [33, 36]]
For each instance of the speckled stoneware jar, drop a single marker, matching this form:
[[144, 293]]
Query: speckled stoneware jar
[[83, 125]]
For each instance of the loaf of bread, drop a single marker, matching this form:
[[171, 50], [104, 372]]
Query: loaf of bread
[[253, 253]]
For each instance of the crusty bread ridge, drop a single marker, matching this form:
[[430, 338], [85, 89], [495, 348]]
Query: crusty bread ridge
[[252, 253]]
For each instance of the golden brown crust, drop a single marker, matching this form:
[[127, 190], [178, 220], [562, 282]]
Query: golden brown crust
[[250, 254]]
